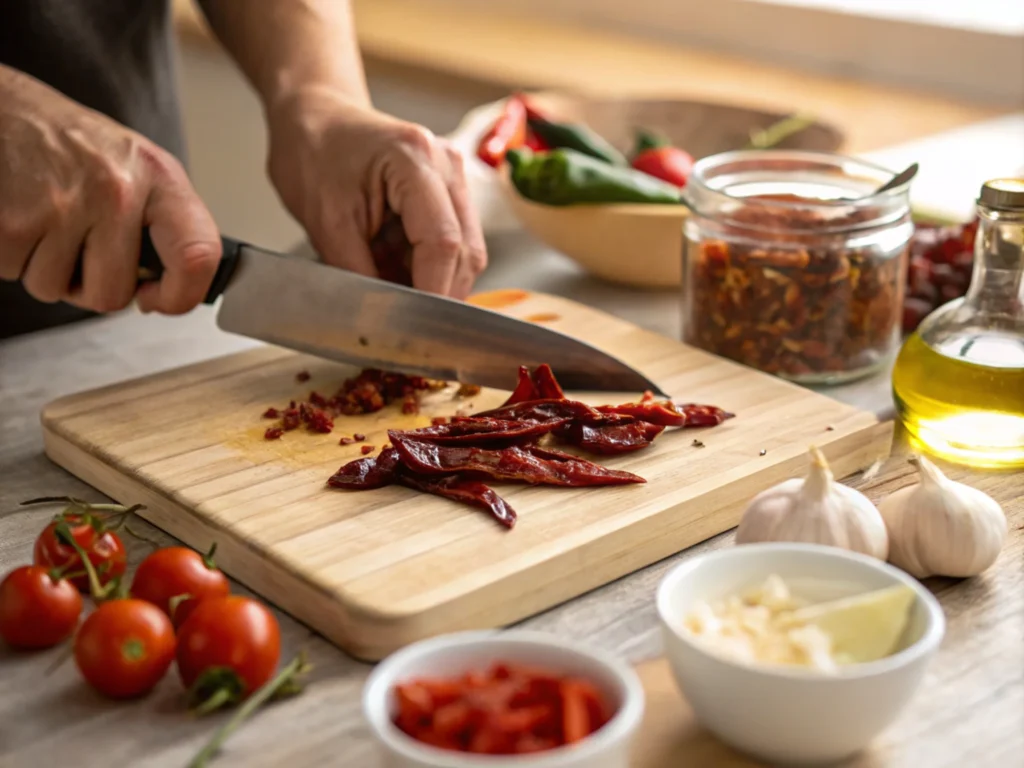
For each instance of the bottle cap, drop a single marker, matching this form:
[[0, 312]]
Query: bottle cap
[[1005, 194]]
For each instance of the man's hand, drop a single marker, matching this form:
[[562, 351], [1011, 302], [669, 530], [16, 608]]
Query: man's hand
[[75, 183], [336, 164]]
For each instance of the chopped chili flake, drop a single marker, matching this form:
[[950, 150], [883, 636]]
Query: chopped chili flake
[[410, 404], [320, 421], [271, 413], [347, 441], [366, 449], [438, 421], [290, 419], [359, 437], [697, 443], [506, 709], [467, 390], [830, 428], [317, 399], [762, 452], [302, 376], [273, 433]]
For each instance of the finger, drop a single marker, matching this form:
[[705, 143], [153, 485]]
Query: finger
[[18, 239], [51, 265], [110, 265], [110, 260], [420, 196], [187, 241], [473, 258], [342, 241]]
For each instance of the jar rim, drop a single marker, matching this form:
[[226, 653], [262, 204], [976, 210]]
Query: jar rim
[[705, 199], [801, 158]]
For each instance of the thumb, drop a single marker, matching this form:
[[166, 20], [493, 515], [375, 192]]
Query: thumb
[[188, 242]]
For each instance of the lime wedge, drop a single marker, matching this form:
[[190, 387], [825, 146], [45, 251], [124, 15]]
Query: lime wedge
[[863, 627]]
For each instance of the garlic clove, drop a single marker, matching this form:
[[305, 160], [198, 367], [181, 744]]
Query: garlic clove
[[815, 510], [941, 527]]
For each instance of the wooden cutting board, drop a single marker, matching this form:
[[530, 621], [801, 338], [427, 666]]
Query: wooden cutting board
[[375, 570]]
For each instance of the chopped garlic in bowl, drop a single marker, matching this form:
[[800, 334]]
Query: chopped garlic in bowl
[[769, 625], [754, 628]]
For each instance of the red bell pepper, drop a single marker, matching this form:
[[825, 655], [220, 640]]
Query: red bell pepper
[[669, 164], [508, 132]]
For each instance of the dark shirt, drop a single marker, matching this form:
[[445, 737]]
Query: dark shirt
[[114, 56]]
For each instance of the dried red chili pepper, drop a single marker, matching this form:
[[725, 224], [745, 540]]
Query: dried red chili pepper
[[470, 492], [551, 410], [484, 432], [539, 385], [669, 414], [366, 449], [612, 438], [369, 473], [510, 463]]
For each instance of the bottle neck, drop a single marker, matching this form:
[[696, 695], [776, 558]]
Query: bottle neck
[[997, 281]]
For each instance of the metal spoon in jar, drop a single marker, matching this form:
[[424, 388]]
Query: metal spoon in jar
[[898, 180]]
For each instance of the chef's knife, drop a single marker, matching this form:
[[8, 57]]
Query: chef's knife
[[311, 307]]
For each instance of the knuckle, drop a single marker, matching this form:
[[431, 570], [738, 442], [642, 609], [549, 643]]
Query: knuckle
[[118, 188], [449, 246], [199, 258], [456, 160], [477, 260], [158, 161], [415, 138], [15, 226]]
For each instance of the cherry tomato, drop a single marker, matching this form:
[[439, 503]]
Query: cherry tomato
[[124, 648], [233, 632], [105, 550], [669, 164], [36, 610], [176, 571]]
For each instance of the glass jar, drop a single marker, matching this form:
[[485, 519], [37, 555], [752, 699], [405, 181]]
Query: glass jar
[[791, 264], [958, 382]]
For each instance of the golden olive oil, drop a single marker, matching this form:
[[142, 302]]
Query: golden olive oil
[[958, 381], [965, 400]]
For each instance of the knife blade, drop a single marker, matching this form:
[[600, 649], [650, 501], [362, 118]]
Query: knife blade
[[336, 314]]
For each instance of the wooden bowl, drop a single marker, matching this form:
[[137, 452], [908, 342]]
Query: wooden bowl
[[641, 245]]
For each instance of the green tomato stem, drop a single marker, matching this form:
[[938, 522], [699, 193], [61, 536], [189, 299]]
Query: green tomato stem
[[296, 667]]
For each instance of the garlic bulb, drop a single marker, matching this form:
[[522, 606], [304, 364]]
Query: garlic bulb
[[940, 527], [815, 510]]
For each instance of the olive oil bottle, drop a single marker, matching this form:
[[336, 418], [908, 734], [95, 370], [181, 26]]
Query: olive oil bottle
[[958, 381]]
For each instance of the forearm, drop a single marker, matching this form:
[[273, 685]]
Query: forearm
[[285, 47]]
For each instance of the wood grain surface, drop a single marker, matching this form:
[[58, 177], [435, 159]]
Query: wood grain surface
[[967, 713], [376, 570]]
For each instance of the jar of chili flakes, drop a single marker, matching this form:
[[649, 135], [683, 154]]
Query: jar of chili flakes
[[791, 264]]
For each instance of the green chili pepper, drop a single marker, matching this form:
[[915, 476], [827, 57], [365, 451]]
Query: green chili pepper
[[646, 140], [568, 177], [578, 137]]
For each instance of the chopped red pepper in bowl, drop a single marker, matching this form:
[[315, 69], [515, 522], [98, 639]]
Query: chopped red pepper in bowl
[[459, 700]]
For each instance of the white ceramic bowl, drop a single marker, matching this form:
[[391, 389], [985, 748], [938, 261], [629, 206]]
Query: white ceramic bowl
[[784, 715], [454, 654]]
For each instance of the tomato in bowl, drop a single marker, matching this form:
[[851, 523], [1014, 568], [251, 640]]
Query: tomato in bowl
[[508, 698]]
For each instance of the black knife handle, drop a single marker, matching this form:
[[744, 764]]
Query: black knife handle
[[151, 268]]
